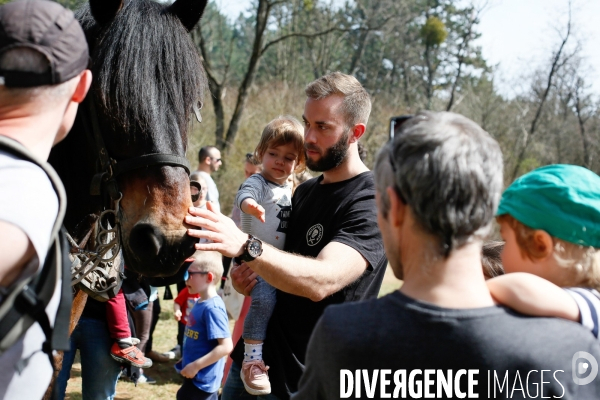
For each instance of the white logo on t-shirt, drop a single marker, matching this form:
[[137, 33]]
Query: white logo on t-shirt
[[314, 234]]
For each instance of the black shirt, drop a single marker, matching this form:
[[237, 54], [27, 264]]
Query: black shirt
[[396, 333], [343, 212]]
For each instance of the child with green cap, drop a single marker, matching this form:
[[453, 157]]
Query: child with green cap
[[550, 221]]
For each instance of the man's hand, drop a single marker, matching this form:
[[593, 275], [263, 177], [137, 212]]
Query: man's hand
[[226, 238], [250, 206], [243, 278]]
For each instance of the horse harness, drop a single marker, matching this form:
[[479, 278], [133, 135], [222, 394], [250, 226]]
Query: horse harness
[[99, 272]]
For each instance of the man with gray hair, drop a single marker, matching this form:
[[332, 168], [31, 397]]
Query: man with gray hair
[[333, 249], [43, 78], [441, 335]]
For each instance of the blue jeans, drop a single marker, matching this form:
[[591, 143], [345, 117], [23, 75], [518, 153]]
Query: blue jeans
[[234, 387], [99, 372]]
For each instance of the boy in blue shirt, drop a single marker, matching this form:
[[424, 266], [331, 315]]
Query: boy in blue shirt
[[207, 340]]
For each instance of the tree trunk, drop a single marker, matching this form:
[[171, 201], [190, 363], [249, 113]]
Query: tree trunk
[[216, 90], [429, 82], [587, 156], [556, 65], [262, 16]]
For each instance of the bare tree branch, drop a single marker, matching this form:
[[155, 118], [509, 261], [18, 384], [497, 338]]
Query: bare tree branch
[[301, 34], [554, 68]]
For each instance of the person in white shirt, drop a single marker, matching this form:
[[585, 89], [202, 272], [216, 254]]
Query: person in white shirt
[[209, 161]]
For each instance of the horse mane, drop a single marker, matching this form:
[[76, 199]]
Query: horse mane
[[147, 72]]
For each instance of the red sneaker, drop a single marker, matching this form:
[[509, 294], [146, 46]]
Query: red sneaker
[[131, 355]]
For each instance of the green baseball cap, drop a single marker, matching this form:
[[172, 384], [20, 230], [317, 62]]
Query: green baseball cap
[[563, 200]]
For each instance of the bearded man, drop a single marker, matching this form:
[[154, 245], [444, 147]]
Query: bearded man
[[334, 251]]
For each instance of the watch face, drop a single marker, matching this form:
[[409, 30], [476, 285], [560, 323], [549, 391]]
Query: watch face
[[255, 248]]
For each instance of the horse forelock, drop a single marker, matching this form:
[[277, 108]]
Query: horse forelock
[[147, 75]]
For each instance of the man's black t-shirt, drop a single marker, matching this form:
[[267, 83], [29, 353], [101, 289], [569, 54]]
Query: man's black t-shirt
[[343, 212], [410, 348]]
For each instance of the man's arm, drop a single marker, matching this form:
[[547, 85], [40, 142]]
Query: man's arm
[[531, 295], [221, 350], [16, 250], [336, 266]]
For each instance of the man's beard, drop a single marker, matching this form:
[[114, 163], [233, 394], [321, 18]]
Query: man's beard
[[333, 156]]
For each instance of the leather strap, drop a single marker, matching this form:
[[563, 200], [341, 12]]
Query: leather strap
[[121, 167], [110, 168]]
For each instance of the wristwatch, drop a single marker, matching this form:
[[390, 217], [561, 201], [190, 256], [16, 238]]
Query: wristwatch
[[252, 249]]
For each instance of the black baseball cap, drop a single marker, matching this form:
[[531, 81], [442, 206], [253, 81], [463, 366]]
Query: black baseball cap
[[48, 28]]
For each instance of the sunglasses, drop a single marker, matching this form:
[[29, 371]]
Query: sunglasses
[[195, 189], [395, 129], [396, 124]]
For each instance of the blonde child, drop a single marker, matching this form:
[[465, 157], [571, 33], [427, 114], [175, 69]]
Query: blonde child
[[207, 339], [550, 221], [265, 199]]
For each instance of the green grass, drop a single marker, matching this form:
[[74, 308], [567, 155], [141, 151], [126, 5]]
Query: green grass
[[167, 380]]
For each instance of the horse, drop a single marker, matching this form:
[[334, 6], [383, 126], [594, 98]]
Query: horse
[[123, 163]]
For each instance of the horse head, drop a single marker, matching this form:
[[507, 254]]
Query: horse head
[[148, 81]]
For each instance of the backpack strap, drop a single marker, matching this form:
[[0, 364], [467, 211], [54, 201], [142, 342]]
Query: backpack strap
[[27, 300]]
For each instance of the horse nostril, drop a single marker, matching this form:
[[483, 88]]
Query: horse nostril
[[145, 241]]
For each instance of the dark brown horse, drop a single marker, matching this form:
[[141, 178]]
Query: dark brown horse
[[148, 78], [148, 81]]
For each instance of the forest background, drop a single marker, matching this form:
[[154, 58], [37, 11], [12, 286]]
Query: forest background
[[409, 55]]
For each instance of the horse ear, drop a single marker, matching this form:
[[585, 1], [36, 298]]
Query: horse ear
[[189, 12], [104, 11]]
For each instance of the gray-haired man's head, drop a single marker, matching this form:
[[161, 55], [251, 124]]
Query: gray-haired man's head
[[448, 171]]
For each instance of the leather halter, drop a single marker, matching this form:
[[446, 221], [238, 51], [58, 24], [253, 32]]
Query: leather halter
[[109, 167], [100, 270]]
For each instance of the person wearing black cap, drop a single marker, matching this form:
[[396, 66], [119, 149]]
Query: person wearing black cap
[[43, 78]]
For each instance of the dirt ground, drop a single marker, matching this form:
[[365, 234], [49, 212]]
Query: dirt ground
[[167, 380]]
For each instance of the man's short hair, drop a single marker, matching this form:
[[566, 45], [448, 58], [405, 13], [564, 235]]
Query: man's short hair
[[209, 261], [449, 171], [356, 106], [205, 152]]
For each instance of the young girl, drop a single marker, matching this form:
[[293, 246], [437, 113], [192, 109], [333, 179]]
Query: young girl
[[550, 220], [265, 199]]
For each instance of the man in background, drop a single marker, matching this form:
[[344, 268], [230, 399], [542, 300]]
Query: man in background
[[209, 161]]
